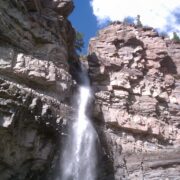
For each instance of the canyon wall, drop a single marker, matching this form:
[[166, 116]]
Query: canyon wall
[[135, 79], [36, 48]]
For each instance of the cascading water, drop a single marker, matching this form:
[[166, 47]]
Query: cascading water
[[79, 157]]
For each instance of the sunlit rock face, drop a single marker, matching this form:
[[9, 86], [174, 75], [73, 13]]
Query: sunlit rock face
[[36, 43], [135, 78]]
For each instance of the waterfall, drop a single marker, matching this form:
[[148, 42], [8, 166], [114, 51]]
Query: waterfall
[[79, 155]]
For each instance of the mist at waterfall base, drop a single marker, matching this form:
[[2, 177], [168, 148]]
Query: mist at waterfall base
[[79, 154]]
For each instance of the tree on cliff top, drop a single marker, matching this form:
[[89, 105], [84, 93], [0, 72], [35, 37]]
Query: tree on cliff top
[[128, 20], [176, 37], [79, 42], [138, 21]]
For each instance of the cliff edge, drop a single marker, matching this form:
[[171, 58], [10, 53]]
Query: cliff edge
[[135, 78]]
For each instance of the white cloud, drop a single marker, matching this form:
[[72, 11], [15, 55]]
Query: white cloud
[[155, 13]]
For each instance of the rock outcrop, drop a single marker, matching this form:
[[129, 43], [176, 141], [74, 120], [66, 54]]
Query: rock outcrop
[[36, 45], [135, 78]]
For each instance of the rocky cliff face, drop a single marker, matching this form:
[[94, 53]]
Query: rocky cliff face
[[36, 44], [135, 78]]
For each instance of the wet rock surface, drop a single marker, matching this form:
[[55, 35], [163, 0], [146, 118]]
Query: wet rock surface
[[135, 78], [36, 45]]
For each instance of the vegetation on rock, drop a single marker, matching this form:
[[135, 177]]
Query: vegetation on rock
[[79, 42], [176, 37], [138, 21]]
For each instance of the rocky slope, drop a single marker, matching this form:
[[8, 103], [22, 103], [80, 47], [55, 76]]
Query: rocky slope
[[135, 78], [36, 44]]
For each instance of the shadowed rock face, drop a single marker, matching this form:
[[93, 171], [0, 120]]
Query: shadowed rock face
[[36, 45], [135, 78]]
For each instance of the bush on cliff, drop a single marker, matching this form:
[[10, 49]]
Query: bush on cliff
[[79, 42], [176, 37]]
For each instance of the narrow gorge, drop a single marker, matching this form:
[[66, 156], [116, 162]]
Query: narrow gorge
[[56, 125], [79, 156]]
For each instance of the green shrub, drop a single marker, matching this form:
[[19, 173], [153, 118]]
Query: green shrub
[[79, 42], [175, 37], [138, 21]]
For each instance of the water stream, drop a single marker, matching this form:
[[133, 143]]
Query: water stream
[[79, 156]]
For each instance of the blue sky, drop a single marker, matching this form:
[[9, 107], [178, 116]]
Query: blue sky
[[84, 21], [163, 15]]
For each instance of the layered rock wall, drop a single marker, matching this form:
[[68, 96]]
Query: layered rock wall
[[36, 45], [135, 78]]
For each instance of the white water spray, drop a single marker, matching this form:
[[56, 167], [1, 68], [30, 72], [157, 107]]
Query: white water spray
[[79, 157]]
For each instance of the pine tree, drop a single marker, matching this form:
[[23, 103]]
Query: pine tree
[[138, 23], [128, 20], [176, 37], [79, 42]]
